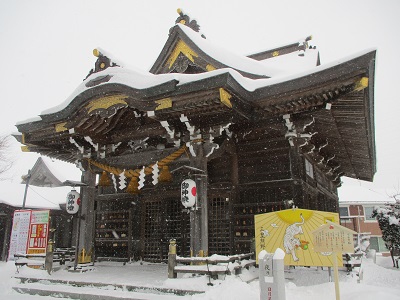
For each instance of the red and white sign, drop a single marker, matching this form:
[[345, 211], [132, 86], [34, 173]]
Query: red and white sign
[[29, 232], [188, 193], [38, 232]]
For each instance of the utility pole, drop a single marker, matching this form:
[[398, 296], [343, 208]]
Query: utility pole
[[28, 177]]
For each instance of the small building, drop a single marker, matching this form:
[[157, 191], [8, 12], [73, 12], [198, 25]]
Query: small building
[[357, 216], [59, 220], [256, 133]]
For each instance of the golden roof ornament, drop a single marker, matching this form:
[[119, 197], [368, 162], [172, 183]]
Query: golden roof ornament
[[102, 62], [185, 20]]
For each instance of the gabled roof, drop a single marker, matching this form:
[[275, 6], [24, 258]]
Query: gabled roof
[[213, 87], [185, 48]]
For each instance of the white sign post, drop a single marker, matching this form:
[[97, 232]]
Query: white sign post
[[272, 275], [334, 238]]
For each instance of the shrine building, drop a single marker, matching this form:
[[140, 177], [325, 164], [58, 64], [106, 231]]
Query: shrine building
[[255, 133]]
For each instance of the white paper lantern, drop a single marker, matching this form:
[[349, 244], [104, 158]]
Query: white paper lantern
[[188, 193], [73, 202]]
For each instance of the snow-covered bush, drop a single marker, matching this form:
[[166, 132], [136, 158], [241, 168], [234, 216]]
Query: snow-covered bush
[[388, 218]]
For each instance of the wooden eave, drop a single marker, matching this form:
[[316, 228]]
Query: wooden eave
[[200, 101], [279, 51]]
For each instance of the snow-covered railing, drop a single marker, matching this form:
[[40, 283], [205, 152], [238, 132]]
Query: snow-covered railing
[[60, 255], [212, 265], [352, 260]]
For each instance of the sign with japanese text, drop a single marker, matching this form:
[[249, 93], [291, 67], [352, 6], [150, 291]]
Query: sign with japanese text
[[333, 237], [38, 232], [19, 232], [188, 193], [73, 202], [291, 230]]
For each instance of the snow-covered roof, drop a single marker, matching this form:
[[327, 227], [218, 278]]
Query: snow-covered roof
[[46, 174], [139, 79], [233, 60]]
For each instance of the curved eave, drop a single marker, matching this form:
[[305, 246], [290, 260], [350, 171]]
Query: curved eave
[[266, 92], [137, 98]]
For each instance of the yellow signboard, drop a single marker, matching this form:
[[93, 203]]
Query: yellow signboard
[[291, 230]]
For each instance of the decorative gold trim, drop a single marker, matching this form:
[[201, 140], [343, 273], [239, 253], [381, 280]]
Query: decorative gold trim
[[181, 47], [163, 103], [25, 149], [23, 138], [60, 127], [210, 68], [106, 102], [361, 84], [225, 97], [275, 53], [96, 52]]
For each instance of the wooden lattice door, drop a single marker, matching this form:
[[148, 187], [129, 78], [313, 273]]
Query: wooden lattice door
[[219, 225], [164, 220]]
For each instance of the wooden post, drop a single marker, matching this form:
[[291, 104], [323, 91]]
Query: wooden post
[[172, 259], [199, 216], [86, 219], [336, 275]]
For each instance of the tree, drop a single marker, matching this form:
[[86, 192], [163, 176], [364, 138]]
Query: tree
[[388, 218], [5, 162]]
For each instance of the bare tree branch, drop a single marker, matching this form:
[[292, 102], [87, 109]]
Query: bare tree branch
[[5, 161]]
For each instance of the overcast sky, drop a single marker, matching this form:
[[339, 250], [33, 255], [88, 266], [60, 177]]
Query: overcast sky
[[46, 52]]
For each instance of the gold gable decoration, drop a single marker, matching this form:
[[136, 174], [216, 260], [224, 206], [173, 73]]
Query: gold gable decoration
[[361, 84], [60, 127], [104, 103], [225, 97], [163, 103], [181, 47]]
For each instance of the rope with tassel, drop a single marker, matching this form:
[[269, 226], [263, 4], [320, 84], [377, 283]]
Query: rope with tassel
[[135, 173], [133, 186]]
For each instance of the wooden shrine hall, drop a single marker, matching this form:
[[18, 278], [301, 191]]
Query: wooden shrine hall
[[256, 133]]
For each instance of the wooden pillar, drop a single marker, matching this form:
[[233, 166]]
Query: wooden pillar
[[297, 174], [87, 218], [199, 216], [7, 232]]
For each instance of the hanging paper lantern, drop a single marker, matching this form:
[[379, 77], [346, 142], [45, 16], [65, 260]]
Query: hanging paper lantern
[[188, 193], [73, 202]]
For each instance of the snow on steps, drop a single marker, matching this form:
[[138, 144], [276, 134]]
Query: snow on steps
[[95, 291]]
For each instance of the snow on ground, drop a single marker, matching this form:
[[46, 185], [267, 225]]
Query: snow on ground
[[380, 281]]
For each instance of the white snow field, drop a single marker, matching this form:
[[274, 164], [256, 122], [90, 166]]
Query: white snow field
[[379, 281]]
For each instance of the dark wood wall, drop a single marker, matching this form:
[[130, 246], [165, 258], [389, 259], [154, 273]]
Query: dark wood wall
[[251, 177]]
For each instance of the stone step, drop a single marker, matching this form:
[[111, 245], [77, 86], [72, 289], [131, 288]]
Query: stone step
[[96, 290]]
